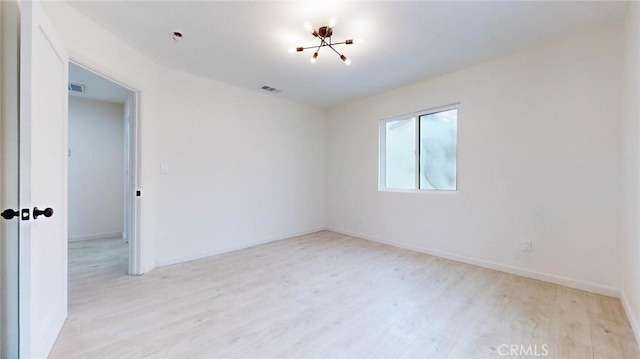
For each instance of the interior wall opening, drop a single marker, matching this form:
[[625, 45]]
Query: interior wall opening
[[102, 174]]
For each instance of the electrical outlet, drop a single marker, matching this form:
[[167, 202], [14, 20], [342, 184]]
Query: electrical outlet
[[526, 246]]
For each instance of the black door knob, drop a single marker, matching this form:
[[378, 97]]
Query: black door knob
[[9, 213], [47, 212]]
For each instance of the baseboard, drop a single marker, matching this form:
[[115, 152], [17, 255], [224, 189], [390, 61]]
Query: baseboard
[[631, 315], [235, 247], [545, 277], [96, 236]]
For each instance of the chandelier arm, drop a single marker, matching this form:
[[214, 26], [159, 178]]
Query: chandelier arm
[[334, 50], [309, 47], [323, 44]]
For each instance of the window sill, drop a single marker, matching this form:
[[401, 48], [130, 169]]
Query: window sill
[[421, 191]]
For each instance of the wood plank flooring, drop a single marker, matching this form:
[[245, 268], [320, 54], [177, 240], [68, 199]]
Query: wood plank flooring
[[327, 295]]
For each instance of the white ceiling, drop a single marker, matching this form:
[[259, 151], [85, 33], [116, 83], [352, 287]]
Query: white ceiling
[[97, 88], [245, 43]]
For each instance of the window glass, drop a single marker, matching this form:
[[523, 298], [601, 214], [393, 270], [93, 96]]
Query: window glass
[[400, 147], [438, 134], [420, 151]]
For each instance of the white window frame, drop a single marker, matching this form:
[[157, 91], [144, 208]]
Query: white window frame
[[382, 151]]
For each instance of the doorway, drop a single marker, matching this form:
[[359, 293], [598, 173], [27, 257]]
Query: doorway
[[103, 172], [33, 179]]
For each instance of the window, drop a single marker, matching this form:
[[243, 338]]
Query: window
[[419, 151]]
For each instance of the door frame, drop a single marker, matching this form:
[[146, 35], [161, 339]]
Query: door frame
[[132, 223], [9, 117]]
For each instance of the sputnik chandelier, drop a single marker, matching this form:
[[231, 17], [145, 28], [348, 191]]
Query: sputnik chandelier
[[324, 33]]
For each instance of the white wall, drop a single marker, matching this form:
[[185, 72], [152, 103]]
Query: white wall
[[96, 168], [244, 168], [238, 159], [539, 159], [631, 194]]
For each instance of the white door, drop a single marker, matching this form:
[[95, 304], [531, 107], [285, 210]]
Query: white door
[[43, 183]]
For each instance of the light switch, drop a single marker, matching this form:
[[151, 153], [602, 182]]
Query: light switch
[[164, 168]]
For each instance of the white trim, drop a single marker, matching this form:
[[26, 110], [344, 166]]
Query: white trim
[[382, 155], [448, 192], [96, 236], [416, 153], [429, 111], [133, 236], [9, 158], [90, 65], [234, 247], [524, 272], [631, 315]]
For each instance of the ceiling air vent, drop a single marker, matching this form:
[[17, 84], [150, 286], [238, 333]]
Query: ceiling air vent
[[76, 87], [271, 89]]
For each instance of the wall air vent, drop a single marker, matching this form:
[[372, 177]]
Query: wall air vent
[[76, 88], [271, 89]]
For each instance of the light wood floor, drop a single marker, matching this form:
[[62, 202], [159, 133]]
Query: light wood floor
[[326, 295]]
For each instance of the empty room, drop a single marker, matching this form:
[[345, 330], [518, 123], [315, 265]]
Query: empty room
[[320, 179]]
